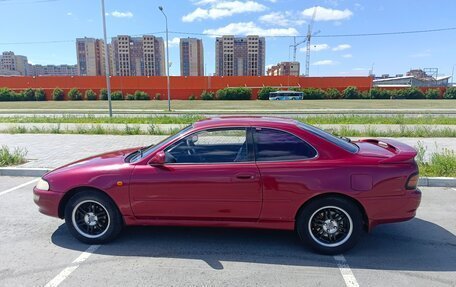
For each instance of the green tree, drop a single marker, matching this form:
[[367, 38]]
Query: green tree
[[90, 95], [432, 94], [29, 94], [40, 95], [333, 93], [263, 93], [313, 94], [450, 93], [351, 93], [74, 95], [58, 94], [207, 96]]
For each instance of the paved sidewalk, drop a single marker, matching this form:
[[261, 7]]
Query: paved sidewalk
[[53, 150]]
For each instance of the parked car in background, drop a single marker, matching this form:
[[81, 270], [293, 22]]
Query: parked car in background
[[252, 172], [285, 95]]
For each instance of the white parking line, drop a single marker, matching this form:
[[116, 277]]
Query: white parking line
[[19, 186], [70, 269], [454, 189], [347, 274]]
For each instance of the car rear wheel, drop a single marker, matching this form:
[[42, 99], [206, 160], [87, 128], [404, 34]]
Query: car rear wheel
[[92, 217], [330, 225]]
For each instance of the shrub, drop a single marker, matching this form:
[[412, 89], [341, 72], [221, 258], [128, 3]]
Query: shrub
[[17, 96], [103, 94], [432, 94], [365, 95], [74, 95], [207, 96], [40, 95], [263, 93], [142, 96], [5, 94], [376, 93], [29, 94], [130, 97], [90, 95], [409, 93], [192, 97], [117, 96], [351, 93], [333, 94], [58, 94], [313, 94], [157, 96], [450, 93], [12, 157], [230, 94]]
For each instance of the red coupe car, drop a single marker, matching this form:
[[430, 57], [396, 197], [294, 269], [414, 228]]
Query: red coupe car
[[253, 172]]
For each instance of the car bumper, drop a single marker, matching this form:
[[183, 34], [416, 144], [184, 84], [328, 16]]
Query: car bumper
[[47, 201], [392, 208]]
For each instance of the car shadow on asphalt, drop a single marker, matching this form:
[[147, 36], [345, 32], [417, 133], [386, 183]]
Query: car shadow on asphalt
[[416, 245]]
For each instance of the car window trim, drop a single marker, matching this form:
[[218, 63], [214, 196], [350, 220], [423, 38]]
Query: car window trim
[[317, 155]]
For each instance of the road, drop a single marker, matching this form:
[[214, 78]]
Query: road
[[37, 250]]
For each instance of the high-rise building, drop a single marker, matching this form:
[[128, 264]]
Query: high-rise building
[[138, 56], [191, 57], [11, 64], [284, 69], [240, 56], [54, 70], [91, 57]]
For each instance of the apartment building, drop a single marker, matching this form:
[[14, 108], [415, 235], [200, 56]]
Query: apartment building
[[90, 56], [240, 56], [54, 70], [11, 64], [138, 56], [284, 69], [191, 57]]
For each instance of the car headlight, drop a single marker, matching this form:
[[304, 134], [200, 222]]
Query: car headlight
[[42, 184]]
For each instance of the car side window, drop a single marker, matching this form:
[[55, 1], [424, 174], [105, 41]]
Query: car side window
[[210, 146], [276, 145]]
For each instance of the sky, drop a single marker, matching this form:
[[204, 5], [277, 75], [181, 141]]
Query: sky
[[45, 30]]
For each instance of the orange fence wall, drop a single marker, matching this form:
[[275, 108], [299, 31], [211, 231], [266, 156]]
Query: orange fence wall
[[181, 87]]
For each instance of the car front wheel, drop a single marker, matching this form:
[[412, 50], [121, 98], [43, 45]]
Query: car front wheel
[[92, 217], [330, 225]]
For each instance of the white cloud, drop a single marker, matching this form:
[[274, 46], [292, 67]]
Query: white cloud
[[426, 53], [327, 14], [284, 19], [347, 56], [324, 63], [221, 9], [119, 14], [69, 14], [174, 42], [250, 28], [341, 47]]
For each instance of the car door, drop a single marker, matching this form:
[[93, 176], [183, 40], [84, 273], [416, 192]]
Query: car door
[[288, 168], [208, 175]]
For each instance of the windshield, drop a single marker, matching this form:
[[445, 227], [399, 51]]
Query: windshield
[[152, 148], [346, 145]]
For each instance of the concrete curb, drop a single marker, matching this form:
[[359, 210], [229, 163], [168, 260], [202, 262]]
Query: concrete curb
[[18, 171], [437, 181], [35, 172]]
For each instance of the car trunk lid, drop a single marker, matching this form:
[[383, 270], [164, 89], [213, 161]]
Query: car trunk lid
[[391, 151]]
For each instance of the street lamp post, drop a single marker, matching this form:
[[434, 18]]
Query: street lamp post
[[108, 80], [167, 59]]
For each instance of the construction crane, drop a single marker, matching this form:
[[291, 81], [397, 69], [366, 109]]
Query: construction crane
[[306, 40]]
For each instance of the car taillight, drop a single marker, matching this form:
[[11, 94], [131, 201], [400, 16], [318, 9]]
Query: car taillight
[[412, 181]]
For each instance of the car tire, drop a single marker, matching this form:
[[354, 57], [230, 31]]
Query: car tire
[[92, 217], [330, 225]]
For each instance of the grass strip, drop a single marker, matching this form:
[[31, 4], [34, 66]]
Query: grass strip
[[12, 157]]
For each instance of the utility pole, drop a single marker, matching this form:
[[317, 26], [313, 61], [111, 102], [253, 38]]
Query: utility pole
[[167, 59], [108, 79]]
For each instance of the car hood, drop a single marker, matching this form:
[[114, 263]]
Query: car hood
[[106, 161]]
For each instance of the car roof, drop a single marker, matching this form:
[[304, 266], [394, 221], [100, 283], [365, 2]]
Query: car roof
[[243, 121]]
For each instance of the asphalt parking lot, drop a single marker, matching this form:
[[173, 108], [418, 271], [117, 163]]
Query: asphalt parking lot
[[36, 250]]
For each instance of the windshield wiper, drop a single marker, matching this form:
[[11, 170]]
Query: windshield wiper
[[346, 139]]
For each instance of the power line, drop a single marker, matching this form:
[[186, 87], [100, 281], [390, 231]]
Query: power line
[[276, 36]]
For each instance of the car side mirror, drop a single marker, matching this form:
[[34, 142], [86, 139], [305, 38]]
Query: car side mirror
[[158, 159]]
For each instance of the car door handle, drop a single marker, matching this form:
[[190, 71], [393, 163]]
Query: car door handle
[[245, 176]]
